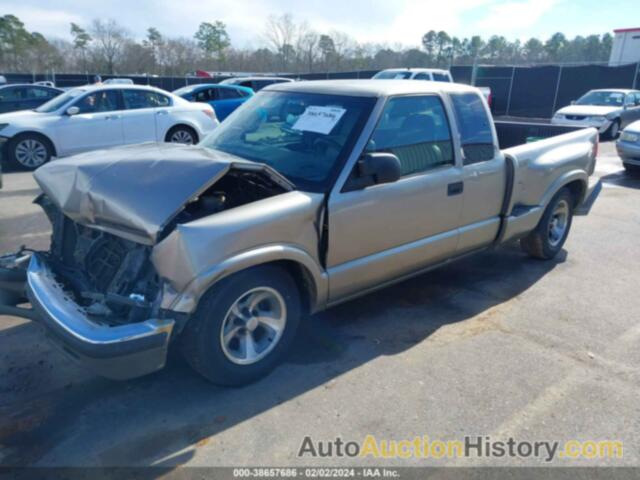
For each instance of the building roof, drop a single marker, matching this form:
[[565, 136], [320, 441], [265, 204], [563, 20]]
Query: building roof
[[625, 30], [369, 88]]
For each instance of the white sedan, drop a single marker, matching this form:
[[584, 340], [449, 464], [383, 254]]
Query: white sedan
[[103, 116]]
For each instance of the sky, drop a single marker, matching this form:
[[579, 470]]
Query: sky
[[379, 21]]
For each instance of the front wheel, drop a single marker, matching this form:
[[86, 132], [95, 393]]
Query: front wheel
[[614, 130], [243, 326], [29, 151], [549, 236]]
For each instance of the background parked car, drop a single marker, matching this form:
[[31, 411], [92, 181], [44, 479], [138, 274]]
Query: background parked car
[[255, 83], [429, 74], [25, 97], [608, 110], [628, 147], [101, 116], [223, 98], [118, 81]]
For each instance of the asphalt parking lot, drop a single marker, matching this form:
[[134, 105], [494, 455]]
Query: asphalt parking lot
[[497, 344]]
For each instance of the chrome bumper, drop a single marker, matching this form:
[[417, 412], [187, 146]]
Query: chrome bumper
[[117, 352]]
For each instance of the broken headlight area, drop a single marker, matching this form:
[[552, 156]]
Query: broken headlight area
[[111, 278]]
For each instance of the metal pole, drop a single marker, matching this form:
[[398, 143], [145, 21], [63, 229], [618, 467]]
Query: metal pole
[[513, 74], [555, 98], [474, 71], [635, 77]]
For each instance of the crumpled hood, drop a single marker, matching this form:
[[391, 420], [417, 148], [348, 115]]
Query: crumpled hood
[[133, 191], [588, 110]]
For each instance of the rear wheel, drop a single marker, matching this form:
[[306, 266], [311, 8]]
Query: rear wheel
[[549, 236], [182, 134], [29, 151], [243, 326]]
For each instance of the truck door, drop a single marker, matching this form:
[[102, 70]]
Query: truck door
[[385, 231], [484, 172]]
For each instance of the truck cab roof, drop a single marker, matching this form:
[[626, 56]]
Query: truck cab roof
[[371, 88]]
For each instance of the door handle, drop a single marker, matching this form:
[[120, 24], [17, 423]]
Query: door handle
[[455, 188], [161, 112]]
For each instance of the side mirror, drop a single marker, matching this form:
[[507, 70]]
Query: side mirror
[[72, 111], [374, 169]]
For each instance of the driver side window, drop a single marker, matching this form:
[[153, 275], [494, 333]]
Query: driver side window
[[416, 130], [104, 101]]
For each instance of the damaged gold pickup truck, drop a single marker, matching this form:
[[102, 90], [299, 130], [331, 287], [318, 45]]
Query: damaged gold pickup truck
[[310, 194]]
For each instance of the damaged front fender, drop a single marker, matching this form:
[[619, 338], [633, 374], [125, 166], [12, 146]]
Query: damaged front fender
[[198, 254]]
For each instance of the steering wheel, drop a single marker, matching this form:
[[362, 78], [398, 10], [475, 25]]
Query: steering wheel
[[329, 142]]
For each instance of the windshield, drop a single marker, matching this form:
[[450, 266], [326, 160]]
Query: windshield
[[602, 99], [57, 102], [392, 75], [185, 90], [303, 136]]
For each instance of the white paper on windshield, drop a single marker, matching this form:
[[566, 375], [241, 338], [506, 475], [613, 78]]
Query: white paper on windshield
[[319, 119]]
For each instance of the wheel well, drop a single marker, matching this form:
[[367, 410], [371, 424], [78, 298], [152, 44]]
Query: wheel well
[[577, 189], [303, 279], [182, 125], [41, 135]]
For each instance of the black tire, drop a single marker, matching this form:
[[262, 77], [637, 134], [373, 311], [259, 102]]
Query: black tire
[[15, 151], [184, 132], [202, 342], [613, 131], [632, 169], [539, 243]]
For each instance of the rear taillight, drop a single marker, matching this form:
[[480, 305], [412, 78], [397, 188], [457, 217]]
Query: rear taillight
[[596, 146]]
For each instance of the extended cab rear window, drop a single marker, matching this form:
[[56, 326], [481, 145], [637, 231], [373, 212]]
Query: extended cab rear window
[[475, 127]]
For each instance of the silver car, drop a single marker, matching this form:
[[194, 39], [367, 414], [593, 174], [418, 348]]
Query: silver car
[[628, 147], [308, 195], [608, 110]]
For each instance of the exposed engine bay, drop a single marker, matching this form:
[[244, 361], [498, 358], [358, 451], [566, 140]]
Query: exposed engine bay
[[111, 277], [236, 188]]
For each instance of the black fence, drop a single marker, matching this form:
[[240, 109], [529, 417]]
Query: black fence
[[536, 92], [533, 92], [65, 80]]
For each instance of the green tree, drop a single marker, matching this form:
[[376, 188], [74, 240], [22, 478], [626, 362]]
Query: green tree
[[154, 42], [213, 39], [533, 50], [443, 40], [555, 46], [81, 40], [14, 41], [327, 49], [430, 44]]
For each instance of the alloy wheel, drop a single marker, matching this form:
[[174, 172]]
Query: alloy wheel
[[253, 326], [31, 153]]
